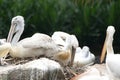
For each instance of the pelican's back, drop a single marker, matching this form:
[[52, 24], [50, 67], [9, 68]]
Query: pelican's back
[[38, 44]]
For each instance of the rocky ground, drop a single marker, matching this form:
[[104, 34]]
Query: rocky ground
[[23, 69]]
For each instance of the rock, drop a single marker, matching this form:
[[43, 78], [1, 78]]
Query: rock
[[41, 69]]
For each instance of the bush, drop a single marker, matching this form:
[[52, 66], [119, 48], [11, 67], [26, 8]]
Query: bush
[[87, 19], [40, 16]]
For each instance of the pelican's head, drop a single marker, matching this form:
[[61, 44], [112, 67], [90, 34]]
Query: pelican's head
[[17, 26], [109, 37], [110, 31], [18, 20], [86, 49], [73, 42]]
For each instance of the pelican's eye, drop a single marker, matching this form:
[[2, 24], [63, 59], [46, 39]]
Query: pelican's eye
[[15, 18]]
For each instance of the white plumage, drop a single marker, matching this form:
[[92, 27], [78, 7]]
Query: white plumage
[[112, 60], [83, 57]]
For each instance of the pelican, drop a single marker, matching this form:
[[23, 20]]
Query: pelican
[[83, 57], [112, 60], [70, 41], [60, 38], [38, 44]]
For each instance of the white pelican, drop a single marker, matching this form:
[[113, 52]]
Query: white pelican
[[60, 38], [70, 41], [83, 57], [38, 44], [112, 60]]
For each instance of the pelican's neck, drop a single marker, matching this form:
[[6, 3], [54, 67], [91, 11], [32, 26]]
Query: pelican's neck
[[109, 45], [17, 36]]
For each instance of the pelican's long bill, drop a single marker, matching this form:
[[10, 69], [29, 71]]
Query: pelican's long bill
[[72, 56], [103, 50], [11, 32]]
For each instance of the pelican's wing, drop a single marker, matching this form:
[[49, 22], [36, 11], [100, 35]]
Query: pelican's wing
[[38, 41], [4, 50]]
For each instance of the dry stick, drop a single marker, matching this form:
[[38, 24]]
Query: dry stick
[[71, 71]]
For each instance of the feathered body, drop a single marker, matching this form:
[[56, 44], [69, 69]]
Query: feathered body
[[112, 60]]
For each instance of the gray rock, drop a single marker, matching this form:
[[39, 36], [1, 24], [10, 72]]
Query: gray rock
[[41, 69]]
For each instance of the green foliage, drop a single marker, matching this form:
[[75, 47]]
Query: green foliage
[[44, 16], [88, 19], [94, 16]]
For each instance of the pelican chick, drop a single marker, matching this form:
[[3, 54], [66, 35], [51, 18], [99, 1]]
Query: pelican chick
[[83, 57], [112, 60]]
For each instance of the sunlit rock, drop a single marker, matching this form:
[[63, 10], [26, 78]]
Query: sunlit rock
[[41, 69]]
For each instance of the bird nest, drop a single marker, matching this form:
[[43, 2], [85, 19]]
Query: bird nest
[[16, 61], [70, 72]]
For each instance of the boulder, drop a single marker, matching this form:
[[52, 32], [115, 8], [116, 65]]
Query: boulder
[[40, 69]]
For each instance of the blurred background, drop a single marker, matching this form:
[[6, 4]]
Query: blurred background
[[87, 19]]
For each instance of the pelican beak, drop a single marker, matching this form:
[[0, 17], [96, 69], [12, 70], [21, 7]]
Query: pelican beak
[[72, 56], [103, 51], [11, 32]]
